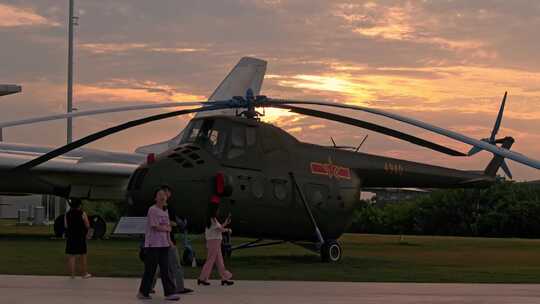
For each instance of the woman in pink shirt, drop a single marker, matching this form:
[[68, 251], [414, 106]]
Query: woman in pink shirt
[[213, 235], [156, 245]]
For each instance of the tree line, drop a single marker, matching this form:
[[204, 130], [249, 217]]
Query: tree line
[[506, 209]]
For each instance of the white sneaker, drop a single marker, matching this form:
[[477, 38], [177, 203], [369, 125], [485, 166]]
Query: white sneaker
[[87, 276], [173, 297]]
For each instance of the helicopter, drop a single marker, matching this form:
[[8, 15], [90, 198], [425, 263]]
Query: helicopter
[[276, 187]]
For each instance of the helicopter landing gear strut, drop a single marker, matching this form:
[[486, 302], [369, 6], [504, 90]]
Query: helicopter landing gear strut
[[330, 250], [227, 248]]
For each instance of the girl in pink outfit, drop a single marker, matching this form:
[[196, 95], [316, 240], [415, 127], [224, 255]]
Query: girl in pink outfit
[[213, 236]]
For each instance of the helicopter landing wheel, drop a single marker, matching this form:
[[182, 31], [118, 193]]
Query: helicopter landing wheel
[[331, 251]]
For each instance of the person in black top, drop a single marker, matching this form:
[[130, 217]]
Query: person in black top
[[77, 225]]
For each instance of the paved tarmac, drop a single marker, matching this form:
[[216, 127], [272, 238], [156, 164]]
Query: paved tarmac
[[60, 290]]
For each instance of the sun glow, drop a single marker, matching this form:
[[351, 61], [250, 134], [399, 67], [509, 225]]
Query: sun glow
[[273, 116], [465, 89], [331, 83]]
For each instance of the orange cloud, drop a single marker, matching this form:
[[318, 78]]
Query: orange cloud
[[176, 50], [272, 4], [395, 25], [133, 91], [103, 48], [107, 48], [402, 22], [12, 16], [114, 90]]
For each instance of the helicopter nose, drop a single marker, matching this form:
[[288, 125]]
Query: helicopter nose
[[188, 156], [187, 169]]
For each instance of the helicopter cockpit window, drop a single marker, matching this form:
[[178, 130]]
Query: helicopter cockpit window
[[210, 134], [192, 131], [238, 142], [242, 138]]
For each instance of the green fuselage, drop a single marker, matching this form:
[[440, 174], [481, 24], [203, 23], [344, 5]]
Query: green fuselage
[[258, 160]]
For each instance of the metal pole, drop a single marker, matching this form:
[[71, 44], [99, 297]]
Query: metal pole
[[70, 73], [1, 134]]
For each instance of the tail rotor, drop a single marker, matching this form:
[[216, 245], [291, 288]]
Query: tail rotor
[[506, 142]]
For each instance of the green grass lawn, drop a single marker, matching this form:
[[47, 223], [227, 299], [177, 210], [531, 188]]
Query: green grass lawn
[[376, 258]]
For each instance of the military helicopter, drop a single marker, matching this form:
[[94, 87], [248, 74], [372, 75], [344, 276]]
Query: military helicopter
[[277, 187]]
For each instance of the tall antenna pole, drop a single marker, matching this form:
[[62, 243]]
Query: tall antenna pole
[[70, 74]]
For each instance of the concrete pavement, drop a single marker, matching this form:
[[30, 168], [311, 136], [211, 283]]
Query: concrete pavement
[[63, 290]]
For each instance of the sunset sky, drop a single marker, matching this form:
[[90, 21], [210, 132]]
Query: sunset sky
[[444, 62]]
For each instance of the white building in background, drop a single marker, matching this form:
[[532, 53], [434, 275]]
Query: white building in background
[[10, 205]]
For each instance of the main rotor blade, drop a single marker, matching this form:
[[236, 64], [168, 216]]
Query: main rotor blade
[[520, 158], [103, 133], [101, 111], [374, 127]]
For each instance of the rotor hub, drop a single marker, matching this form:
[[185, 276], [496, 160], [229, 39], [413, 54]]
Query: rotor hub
[[249, 103]]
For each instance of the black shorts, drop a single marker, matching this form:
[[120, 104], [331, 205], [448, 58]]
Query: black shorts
[[76, 246]]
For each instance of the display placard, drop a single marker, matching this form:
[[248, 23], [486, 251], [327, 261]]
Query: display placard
[[131, 225]]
